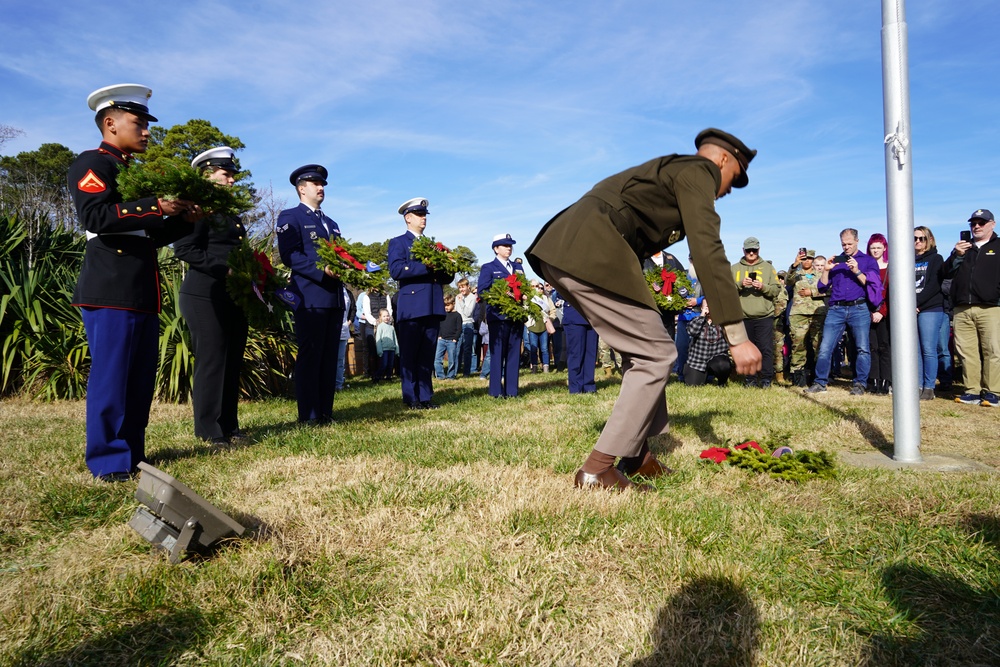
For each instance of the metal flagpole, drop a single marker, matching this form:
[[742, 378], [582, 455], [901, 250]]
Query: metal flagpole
[[899, 208]]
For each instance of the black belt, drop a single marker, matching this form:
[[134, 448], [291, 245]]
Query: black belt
[[856, 302]]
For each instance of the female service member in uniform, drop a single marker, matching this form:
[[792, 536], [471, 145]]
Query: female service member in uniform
[[218, 326]]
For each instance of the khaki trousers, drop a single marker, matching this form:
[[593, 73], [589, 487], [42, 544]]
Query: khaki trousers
[[977, 332], [636, 332]]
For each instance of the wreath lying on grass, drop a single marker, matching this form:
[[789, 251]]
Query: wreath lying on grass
[[437, 256], [670, 289], [782, 463], [356, 271], [251, 284], [169, 180], [512, 298]]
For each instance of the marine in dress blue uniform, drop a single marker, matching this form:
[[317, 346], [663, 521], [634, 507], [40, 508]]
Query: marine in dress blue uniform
[[118, 290], [505, 335], [419, 308], [320, 313], [218, 326]]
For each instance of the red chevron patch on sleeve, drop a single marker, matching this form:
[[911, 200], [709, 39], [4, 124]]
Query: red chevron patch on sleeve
[[91, 183]]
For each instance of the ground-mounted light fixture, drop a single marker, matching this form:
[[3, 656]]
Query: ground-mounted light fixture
[[178, 519]]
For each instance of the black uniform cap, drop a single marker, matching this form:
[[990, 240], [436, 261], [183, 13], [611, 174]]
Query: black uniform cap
[[736, 148]]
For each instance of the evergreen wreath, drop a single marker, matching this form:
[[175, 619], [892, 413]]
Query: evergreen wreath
[[170, 180], [512, 298], [356, 271], [437, 257], [670, 289], [790, 466], [251, 284]]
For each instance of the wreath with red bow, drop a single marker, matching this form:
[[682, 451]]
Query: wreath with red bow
[[251, 283], [436, 256], [512, 298], [348, 267], [670, 289]]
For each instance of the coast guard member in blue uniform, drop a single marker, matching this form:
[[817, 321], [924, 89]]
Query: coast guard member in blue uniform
[[505, 335], [419, 306], [320, 312], [118, 291]]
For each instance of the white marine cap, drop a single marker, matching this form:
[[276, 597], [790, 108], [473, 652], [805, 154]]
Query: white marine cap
[[131, 97], [415, 204], [222, 157]]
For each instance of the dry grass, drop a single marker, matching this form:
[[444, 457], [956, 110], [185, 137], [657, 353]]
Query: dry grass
[[455, 538]]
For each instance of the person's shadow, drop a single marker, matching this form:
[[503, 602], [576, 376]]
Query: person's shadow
[[956, 624], [161, 639], [709, 621]]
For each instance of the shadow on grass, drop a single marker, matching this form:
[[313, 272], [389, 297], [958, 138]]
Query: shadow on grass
[[954, 623], [874, 435], [700, 423], [161, 640], [710, 621], [987, 527]]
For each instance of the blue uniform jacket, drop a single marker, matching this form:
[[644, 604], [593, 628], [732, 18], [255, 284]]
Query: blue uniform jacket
[[298, 230], [421, 291], [489, 272]]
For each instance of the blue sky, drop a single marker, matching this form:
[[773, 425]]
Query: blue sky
[[502, 113]]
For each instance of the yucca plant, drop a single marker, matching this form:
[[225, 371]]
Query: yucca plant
[[175, 371]]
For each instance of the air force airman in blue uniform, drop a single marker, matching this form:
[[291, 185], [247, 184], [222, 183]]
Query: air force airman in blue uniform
[[118, 290], [419, 308], [505, 335], [320, 313]]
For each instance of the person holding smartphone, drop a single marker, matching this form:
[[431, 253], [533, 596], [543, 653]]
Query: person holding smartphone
[[758, 285], [852, 280], [974, 266]]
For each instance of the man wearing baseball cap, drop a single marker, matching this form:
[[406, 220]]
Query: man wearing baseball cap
[[592, 253], [974, 267], [118, 291]]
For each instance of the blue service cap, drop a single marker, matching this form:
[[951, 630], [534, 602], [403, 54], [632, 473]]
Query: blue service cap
[[310, 172]]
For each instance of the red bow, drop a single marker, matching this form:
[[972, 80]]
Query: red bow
[[266, 270], [669, 278], [720, 454], [347, 257], [442, 247], [515, 285]]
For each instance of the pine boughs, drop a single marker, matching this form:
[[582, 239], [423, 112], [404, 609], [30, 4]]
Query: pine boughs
[[790, 466], [437, 256], [251, 284], [512, 296], [166, 179], [350, 267], [670, 289]]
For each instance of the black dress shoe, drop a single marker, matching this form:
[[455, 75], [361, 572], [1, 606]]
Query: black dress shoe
[[239, 437], [114, 477], [611, 480], [427, 405]]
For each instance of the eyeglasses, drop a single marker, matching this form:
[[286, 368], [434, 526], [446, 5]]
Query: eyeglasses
[[979, 223], [919, 239]]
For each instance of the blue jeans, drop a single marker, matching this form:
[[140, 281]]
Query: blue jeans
[[944, 352], [683, 341], [929, 334], [467, 350], [837, 319], [341, 360], [536, 342], [451, 348]]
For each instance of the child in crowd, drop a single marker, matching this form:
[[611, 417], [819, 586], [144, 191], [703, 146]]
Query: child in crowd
[[449, 334], [386, 346], [708, 353]]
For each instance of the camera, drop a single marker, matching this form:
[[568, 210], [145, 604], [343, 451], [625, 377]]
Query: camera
[[965, 235], [753, 275], [841, 258], [802, 252]]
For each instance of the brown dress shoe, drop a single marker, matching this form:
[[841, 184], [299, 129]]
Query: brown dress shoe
[[651, 468], [610, 479]]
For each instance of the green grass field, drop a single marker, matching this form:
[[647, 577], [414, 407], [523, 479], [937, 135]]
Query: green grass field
[[455, 537]]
